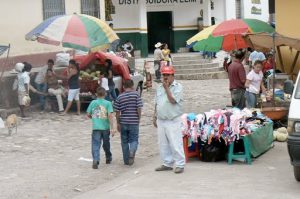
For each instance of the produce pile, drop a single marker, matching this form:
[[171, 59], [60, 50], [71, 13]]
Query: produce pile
[[89, 75]]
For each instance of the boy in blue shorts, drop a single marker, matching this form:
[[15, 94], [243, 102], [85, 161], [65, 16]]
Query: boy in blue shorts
[[100, 111]]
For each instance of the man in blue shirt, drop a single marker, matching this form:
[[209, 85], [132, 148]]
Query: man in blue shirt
[[128, 107]]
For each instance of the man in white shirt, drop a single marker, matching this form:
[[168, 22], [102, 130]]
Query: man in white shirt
[[158, 57], [40, 84]]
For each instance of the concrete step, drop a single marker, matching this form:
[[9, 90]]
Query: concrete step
[[199, 70], [202, 76], [187, 58], [196, 66], [190, 61]]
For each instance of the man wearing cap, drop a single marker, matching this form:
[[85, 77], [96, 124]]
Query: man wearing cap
[[168, 110], [158, 57]]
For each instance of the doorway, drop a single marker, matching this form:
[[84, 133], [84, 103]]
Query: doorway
[[159, 25]]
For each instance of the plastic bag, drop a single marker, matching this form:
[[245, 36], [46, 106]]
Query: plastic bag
[[213, 152], [62, 59]]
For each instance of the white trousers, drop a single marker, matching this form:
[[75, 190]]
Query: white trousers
[[57, 93], [171, 142]]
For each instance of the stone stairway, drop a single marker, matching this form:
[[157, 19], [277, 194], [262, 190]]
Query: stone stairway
[[191, 66]]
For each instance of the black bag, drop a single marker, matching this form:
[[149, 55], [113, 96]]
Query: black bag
[[213, 152]]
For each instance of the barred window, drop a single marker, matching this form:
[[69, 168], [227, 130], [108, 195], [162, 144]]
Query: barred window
[[238, 9], [53, 8], [90, 7]]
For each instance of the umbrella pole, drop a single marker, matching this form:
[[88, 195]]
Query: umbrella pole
[[235, 45], [274, 68], [5, 63]]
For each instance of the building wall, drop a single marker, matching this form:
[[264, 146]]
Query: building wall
[[229, 9], [21, 17], [131, 24], [286, 15], [219, 11], [248, 12], [17, 24], [18, 17]]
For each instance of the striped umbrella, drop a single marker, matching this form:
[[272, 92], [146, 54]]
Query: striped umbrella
[[227, 35], [78, 31]]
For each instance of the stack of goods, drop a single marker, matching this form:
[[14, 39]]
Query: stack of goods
[[228, 124]]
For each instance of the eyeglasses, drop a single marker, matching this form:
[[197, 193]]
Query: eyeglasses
[[166, 74]]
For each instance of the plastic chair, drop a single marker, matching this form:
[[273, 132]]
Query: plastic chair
[[246, 155], [187, 152]]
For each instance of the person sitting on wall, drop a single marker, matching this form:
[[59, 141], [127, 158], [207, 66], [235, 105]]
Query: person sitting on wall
[[54, 88], [128, 47], [114, 44]]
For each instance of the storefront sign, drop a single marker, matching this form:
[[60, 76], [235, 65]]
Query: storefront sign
[[134, 2]]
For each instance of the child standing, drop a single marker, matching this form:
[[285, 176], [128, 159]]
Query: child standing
[[100, 111], [103, 82], [254, 83]]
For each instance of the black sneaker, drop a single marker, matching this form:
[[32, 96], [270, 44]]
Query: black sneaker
[[95, 164], [108, 161], [131, 158]]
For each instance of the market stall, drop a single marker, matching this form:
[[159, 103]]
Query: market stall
[[217, 129]]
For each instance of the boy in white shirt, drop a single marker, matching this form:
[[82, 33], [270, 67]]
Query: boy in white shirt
[[254, 83], [103, 82]]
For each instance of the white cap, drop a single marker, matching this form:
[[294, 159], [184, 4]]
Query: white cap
[[19, 67]]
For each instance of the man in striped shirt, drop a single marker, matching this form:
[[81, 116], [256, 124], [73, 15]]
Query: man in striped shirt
[[128, 107]]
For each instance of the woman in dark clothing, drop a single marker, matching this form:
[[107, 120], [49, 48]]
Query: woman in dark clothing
[[111, 84], [73, 83]]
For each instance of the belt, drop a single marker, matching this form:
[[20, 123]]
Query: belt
[[235, 89]]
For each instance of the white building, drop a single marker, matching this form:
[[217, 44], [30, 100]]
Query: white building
[[143, 22]]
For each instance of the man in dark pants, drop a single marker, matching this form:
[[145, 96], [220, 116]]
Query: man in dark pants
[[237, 79]]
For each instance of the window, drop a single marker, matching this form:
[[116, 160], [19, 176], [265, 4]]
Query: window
[[238, 9], [90, 7], [53, 8]]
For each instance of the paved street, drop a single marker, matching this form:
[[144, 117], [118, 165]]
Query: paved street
[[50, 157], [270, 176]]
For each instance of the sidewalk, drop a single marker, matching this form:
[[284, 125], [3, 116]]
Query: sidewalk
[[270, 176]]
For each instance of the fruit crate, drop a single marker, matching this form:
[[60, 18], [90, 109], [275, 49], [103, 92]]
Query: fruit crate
[[88, 86]]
